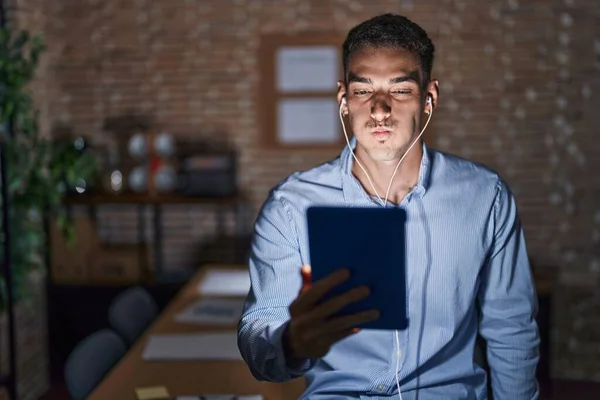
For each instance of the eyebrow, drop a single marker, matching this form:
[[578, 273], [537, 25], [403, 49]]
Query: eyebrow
[[411, 77]]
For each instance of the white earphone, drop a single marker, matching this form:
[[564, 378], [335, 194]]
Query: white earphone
[[426, 111], [384, 202]]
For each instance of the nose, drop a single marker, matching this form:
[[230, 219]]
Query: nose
[[380, 109]]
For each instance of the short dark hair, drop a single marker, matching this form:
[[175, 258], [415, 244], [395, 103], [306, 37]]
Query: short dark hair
[[390, 30]]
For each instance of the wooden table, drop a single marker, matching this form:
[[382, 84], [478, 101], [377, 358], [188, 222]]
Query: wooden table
[[186, 377], [198, 377]]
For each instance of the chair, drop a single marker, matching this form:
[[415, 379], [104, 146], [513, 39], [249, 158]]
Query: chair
[[90, 361], [131, 312]]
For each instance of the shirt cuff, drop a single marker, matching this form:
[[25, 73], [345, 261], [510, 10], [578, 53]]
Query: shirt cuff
[[277, 340]]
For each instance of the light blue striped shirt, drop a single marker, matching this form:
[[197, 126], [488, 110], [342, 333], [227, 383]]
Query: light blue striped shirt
[[467, 270]]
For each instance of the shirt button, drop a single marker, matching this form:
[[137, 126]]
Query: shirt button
[[380, 388]]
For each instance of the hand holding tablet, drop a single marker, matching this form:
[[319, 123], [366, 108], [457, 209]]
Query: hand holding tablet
[[356, 279], [312, 330]]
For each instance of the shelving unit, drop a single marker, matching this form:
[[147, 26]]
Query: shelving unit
[[239, 205]]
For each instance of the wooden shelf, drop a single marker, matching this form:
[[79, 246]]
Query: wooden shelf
[[238, 205], [132, 198]]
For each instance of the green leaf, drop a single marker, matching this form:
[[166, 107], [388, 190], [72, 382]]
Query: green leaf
[[32, 185], [39, 170]]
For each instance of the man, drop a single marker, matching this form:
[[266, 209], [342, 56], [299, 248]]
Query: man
[[467, 265]]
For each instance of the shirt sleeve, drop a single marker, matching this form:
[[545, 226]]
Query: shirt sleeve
[[508, 302], [275, 278]]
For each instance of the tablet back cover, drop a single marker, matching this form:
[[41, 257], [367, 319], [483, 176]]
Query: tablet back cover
[[371, 243]]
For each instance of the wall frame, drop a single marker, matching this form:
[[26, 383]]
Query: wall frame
[[296, 96]]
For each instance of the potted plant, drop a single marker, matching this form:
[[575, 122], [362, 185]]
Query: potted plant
[[40, 171]]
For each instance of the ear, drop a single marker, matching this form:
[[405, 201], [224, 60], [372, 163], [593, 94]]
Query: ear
[[341, 96], [433, 92]]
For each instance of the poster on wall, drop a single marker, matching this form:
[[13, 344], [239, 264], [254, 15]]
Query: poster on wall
[[307, 69], [307, 120], [297, 102]]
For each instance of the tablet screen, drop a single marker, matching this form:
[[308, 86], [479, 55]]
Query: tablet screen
[[371, 243]]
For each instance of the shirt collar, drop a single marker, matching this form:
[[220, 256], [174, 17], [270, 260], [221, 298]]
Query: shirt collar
[[353, 190]]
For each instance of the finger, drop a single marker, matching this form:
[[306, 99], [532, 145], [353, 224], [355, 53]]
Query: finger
[[329, 340], [337, 303], [306, 274], [346, 322], [317, 290]]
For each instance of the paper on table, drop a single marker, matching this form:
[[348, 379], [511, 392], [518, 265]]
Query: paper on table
[[192, 346], [219, 282], [152, 393], [212, 311], [220, 397]]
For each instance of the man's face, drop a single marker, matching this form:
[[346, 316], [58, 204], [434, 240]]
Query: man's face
[[385, 101]]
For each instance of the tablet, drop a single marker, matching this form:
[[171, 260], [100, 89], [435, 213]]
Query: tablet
[[371, 243]]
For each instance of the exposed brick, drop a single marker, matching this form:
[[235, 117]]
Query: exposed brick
[[517, 80]]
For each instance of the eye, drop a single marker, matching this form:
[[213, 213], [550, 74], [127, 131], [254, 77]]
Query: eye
[[361, 92], [401, 91]]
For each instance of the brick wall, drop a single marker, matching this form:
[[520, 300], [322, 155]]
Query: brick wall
[[519, 82], [38, 17]]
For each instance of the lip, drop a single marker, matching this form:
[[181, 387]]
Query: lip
[[381, 132]]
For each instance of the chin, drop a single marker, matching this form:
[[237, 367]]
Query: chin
[[382, 154], [379, 150]]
